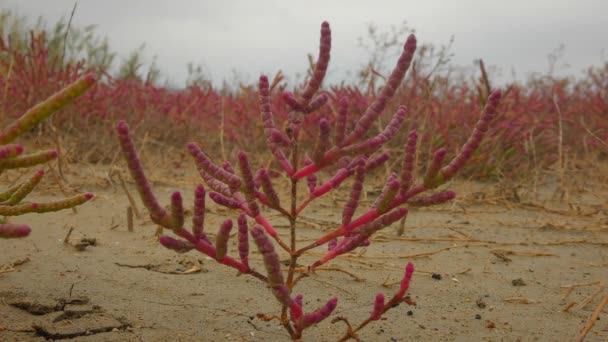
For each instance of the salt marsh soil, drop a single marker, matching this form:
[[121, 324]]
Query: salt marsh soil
[[492, 266]]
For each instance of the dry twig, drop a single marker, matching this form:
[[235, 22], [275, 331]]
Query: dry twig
[[512, 252], [591, 321]]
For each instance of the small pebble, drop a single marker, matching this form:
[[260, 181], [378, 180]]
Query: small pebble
[[477, 316]]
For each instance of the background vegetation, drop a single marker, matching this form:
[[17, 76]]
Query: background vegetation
[[545, 122]]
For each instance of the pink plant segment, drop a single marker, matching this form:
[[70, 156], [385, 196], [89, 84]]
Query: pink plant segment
[[311, 180], [340, 176], [333, 183], [322, 141], [204, 163], [157, 213], [365, 147], [179, 246], [434, 199], [378, 307], [386, 197], [222, 200], [296, 307], [318, 315], [221, 240], [355, 194], [214, 184], [332, 244], [198, 217], [177, 211], [368, 146], [317, 103], [227, 166], [269, 125], [407, 173], [405, 282], [341, 121], [383, 221], [395, 124], [273, 266], [359, 236], [243, 239], [291, 101], [279, 138], [269, 191], [12, 230], [489, 111], [431, 173], [248, 184], [376, 108], [378, 160], [267, 117], [321, 66]]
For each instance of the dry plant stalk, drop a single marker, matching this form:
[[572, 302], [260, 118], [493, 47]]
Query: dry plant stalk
[[512, 252], [130, 218], [66, 239], [12, 157], [520, 300], [600, 288], [123, 185], [560, 143], [243, 189], [591, 321], [568, 306]]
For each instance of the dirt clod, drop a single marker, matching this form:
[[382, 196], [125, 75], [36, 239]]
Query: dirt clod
[[52, 326], [35, 306], [518, 282]]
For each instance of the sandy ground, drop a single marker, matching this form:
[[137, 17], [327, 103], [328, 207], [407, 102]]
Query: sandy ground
[[489, 267]]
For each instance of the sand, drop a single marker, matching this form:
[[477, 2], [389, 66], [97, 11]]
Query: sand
[[489, 267]]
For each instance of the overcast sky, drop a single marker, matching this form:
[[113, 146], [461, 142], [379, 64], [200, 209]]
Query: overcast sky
[[253, 37]]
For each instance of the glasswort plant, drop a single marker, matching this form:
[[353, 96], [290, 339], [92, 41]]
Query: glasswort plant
[[356, 154]]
